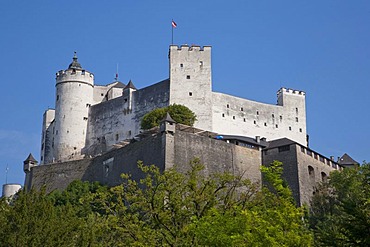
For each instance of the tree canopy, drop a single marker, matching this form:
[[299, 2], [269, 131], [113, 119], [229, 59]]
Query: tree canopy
[[340, 209], [179, 113], [162, 209]]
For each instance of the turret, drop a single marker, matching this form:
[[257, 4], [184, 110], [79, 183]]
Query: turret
[[74, 96], [27, 167], [127, 96]]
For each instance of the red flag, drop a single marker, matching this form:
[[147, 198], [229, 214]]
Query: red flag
[[174, 23]]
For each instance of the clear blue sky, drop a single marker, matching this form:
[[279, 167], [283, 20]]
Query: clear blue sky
[[320, 47]]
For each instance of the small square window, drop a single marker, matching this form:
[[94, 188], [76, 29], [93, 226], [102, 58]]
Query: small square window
[[223, 114], [190, 94], [265, 124], [188, 77], [181, 65], [300, 129]]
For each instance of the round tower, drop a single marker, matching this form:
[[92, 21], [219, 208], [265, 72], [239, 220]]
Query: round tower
[[74, 96]]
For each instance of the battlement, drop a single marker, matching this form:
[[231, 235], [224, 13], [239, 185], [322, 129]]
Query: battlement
[[74, 75], [190, 48], [283, 90]]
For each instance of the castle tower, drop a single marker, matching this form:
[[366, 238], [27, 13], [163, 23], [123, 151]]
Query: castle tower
[[191, 81], [294, 105], [27, 166], [74, 96], [127, 95]]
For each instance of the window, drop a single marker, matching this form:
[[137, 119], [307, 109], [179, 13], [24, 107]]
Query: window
[[85, 118], [324, 177], [296, 119], [254, 121], [265, 124], [117, 137], [82, 72], [190, 94], [311, 173], [257, 113], [276, 126], [290, 128], [57, 97], [223, 114], [273, 116], [281, 118], [88, 105], [315, 156], [188, 77], [227, 106], [181, 65], [241, 109], [296, 111], [101, 94], [234, 117], [244, 119], [300, 129], [302, 149], [125, 100], [284, 148]]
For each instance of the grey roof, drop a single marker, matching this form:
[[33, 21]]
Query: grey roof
[[347, 160], [168, 118], [130, 85], [75, 64], [119, 84], [279, 143], [30, 158], [246, 139]]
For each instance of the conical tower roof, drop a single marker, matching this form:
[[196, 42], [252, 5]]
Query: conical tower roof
[[75, 64], [29, 159], [130, 85], [168, 118]]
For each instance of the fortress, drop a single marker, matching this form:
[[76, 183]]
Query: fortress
[[90, 119], [94, 131]]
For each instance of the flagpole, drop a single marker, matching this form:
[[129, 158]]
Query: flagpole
[[172, 33]]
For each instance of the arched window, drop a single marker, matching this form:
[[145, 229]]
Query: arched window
[[311, 172], [324, 177]]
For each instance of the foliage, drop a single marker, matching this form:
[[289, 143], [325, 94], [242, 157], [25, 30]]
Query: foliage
[[162, 209], [340, 209], [179, 113]]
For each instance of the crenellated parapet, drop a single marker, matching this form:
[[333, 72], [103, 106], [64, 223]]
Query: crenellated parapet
[[290, 91], [75, 75], [188, 48]]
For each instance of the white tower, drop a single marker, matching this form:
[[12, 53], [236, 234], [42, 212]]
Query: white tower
[[74, 96], [191, 81]]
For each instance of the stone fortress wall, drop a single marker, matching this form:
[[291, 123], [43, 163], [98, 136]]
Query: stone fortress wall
[[89, 120]]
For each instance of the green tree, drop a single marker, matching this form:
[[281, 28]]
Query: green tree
[[271, 218], [179, 113], [340, 209]]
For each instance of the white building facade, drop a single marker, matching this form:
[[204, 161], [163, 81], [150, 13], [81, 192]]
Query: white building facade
[[89, 119]]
